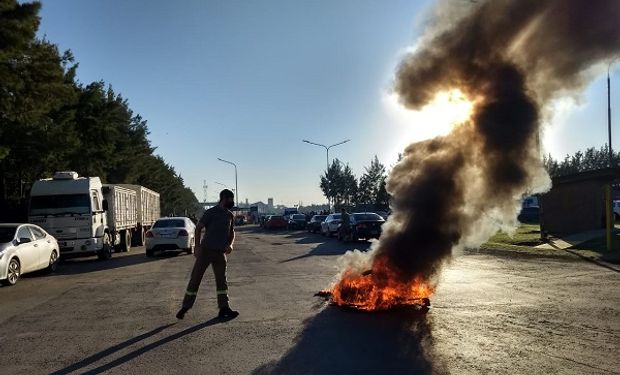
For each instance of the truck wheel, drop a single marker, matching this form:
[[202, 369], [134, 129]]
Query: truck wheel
[[126, 242], [140, 237], [106, 251]]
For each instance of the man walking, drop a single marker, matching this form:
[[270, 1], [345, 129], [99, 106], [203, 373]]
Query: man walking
[[211, 249]]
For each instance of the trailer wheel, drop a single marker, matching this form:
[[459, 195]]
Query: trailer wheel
[[126, 241]]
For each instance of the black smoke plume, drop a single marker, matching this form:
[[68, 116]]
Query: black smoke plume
[[510, 58]]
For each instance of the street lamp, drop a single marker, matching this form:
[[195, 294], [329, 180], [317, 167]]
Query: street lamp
[[609, 109], [326, 147], [236, 187], [221, 184]]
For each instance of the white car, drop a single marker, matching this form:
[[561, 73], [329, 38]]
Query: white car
[[330, 225], [25, 248], [171, 233]]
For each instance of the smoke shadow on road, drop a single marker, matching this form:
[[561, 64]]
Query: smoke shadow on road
[[135, 353], [332, 247], [338, 341]]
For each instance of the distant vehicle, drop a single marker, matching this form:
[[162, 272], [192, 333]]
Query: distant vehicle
[[171, 233], [276, 222], [616, 206], [364, 225], [297, 221], [529, 215], [330, 225], [90, 218], [314, 225], [25, 248], [289, 211], [239, 220]]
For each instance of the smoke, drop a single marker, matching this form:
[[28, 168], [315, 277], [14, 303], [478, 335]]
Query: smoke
[[510, 58]]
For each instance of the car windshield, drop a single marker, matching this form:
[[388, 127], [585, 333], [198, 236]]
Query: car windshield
[[60, 204], [169, 223], [336, 216], [369, 216], [299, 217], [7, 234], [319, 218]]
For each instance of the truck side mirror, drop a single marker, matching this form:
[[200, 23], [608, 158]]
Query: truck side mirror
[[105, 204]]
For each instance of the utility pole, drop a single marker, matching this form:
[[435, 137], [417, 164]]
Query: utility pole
[[609, 216]]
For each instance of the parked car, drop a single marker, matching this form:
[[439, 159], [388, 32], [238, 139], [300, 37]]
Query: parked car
[[25, 248], [383, 214], [365, 225], [171, 233], [297, 221], [276, 222], [239, 220], [529, 215], [330, 225], [314, 225]]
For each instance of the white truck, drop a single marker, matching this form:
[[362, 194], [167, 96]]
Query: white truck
[[85, 216]]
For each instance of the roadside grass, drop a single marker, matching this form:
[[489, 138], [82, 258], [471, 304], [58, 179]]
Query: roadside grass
[[597, 249], [523, 240]]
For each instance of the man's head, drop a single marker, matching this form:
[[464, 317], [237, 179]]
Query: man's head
[[227, 199]]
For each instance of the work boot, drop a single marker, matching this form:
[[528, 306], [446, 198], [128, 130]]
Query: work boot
[[228, 313], [181, 313]]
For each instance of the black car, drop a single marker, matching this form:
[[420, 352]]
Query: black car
[[297, 221], [530, 215], [366, 225], [314, 225]]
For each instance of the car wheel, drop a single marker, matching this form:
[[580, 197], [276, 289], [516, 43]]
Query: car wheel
[[13, 272], [106, 251], [190, 249], [53, 265]]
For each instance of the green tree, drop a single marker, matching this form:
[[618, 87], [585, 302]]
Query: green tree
[[371, 181]]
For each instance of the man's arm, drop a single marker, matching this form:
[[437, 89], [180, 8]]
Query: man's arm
[[231, 237], [198, 233]]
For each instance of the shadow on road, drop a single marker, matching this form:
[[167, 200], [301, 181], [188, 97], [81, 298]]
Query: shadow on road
[[348, 342], [136, 353], [332, 247], [74, 266]]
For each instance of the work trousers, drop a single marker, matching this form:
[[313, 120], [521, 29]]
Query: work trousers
[[204, 258]]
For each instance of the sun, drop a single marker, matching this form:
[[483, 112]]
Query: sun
[[438, 117]]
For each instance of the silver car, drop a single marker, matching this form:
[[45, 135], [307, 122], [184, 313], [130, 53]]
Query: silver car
[[330, 225], [25, 248]]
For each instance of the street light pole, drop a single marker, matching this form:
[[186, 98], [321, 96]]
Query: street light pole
[[326, 147], [327, 153], [609, 110], [236, 187]]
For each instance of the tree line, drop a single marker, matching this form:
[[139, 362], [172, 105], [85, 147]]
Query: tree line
[[342, 188], [49, 121], [581, 161]]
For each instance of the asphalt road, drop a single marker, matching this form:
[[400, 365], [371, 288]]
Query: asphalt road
[[491, 315]]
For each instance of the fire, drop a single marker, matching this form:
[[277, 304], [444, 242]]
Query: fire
[[381, 288]]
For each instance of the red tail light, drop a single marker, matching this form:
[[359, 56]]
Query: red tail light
[[149, 234], [183, 233]]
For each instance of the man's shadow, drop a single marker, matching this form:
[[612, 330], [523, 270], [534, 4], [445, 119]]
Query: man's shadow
[[102, 355], [338, 341]]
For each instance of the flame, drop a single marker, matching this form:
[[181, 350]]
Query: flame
[[381, 288]]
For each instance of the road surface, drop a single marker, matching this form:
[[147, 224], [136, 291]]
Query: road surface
[[491, 314]]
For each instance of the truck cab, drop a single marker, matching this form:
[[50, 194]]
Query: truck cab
[[73, 210]]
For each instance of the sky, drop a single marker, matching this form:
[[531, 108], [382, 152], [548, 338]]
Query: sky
[[247, 81]]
